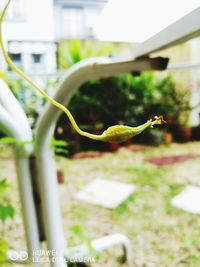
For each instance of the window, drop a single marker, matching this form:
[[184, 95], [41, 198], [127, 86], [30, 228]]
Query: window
[[16, 10], [37, 58], [16, 58], [37, 62], [72, 22]]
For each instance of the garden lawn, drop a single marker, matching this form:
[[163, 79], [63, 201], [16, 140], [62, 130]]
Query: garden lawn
[[160, 234]]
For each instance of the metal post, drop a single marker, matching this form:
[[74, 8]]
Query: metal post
[[13, 123]]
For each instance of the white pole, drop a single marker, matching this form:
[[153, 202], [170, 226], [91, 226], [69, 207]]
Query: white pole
[[11, 126]]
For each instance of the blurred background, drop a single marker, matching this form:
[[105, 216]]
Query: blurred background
[[44, 39]]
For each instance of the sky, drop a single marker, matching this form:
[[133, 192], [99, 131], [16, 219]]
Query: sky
[[138, 20]]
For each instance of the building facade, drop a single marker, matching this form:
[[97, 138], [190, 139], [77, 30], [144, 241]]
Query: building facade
[[32, 28], [74, 18], [28, 32]]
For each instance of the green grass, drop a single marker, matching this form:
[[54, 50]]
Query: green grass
[[161, 235]]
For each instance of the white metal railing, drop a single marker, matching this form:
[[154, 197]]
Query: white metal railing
[[60, 73]]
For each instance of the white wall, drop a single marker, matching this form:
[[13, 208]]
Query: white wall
[[38, 24], [89, 14], [32, 35]]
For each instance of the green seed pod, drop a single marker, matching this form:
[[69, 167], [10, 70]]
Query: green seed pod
[[121, 133], [117, 134]]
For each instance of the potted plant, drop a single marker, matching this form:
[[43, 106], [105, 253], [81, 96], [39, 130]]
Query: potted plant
[[176, 108], [185, 130]]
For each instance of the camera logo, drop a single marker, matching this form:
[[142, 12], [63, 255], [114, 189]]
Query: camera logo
[[18, 256]]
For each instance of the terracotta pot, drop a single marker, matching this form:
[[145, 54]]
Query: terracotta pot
[[127, 143], [168, 138], [112, 147], [185, 134], [60, 177]]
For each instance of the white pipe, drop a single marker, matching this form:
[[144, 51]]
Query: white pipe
[[101, 244], [10, 127], [47, 180], [11, 105]]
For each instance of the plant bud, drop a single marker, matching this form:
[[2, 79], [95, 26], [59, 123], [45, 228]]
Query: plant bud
[[121, 133]]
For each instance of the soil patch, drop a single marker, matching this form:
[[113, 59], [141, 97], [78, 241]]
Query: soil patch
[[162, 161], [136, 148], [88, 154]]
